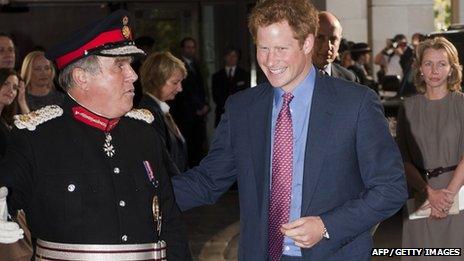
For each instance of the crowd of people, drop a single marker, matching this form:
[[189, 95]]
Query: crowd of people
[[310, 148], [333, 54]]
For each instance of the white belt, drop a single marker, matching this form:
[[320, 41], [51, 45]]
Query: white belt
[[58, 251]]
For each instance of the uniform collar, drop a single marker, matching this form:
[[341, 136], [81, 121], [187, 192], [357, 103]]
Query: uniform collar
[[92, 119]]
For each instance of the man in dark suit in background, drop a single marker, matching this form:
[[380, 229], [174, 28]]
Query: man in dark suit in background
[[190, 107], [326, 47], [315, 164], [7, 52], [361, 55], [228, 81]]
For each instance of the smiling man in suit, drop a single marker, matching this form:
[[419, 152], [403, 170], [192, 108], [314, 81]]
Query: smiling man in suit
[[326, 46], [315, 164]]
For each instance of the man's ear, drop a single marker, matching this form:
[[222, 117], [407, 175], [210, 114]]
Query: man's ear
[[81, 78], [308, 44]]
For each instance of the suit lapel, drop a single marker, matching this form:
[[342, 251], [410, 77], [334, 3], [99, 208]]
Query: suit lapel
[[259, 120], [320, 122], [335, 71]]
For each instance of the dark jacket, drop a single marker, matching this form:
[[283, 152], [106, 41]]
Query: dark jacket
[[192, 98], [71, 190], [176, 147], [4, 137], [353, 173], [363, 77], [223, 87], [341, 72]]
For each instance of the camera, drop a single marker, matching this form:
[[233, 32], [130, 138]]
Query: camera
[[391, 46]]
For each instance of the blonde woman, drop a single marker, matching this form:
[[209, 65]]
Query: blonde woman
[[431, 139], [38, 73], [161, 77]]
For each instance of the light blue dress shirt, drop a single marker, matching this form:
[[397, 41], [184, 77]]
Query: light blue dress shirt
[[300, 108]]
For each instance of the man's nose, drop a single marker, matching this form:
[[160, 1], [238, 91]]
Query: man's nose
[[270, 58], [131, 75]]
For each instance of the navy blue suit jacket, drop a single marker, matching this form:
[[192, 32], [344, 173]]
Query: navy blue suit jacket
[[353, 173]]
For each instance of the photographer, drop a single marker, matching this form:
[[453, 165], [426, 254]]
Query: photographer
[[389, 58]]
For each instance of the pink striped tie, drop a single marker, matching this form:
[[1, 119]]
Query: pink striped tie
[[281, 184]]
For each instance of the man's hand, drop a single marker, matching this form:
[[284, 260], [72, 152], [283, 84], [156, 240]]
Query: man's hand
[[305, 231], [9, 231]]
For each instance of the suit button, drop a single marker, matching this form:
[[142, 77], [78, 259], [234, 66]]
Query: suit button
[[116, 170], [122, 203], [124, 238], [71, 187]]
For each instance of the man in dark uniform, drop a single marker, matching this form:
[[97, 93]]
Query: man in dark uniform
[[92, 175]]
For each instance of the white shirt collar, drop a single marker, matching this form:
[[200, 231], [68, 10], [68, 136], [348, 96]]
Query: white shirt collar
[[164, 106], [328, 69], [233, 70], [187, 60]]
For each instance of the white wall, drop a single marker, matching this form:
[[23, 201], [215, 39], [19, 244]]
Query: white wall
[[459, 5], [390, 17], [353, 17]]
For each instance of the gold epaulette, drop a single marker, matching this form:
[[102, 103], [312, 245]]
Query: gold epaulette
[[141, 114], [33, 119]]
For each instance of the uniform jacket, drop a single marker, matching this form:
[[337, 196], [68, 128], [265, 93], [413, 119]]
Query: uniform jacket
[[72, 192], [223, 87], [176, 147], [353, 174]]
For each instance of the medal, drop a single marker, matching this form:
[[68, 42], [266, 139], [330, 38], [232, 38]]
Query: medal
[[150, 173], [108, 147], [157, 216]]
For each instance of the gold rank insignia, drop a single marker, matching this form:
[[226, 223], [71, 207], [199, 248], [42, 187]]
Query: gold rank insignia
[[126, 32], [33, 119], [141, 114]]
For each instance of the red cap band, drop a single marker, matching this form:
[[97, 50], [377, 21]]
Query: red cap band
[[101, 39]]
